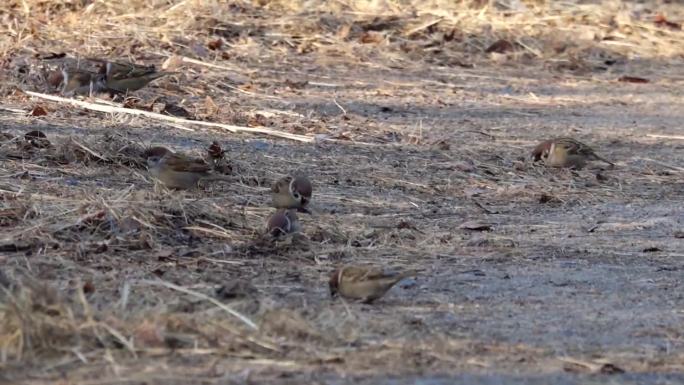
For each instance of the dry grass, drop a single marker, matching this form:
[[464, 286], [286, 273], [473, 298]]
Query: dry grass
[[412, 123]]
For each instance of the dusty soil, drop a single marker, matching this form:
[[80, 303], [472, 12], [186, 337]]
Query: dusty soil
[[528, 275]]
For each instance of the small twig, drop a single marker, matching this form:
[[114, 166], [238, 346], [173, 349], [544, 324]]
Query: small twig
[[228, 127], [663, 164], [666, 136], [422, 27], [91, 152], [205, 297], [344, 112], [222, 233], [481, 133], [488, 211]]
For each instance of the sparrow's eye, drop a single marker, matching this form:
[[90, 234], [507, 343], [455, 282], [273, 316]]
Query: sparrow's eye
[[296, 195]]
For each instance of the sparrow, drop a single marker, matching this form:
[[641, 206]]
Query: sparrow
[[126, 77], [283, 222], [177, 171], [565, 152], [292, 193], [72, 81], [364, 283]]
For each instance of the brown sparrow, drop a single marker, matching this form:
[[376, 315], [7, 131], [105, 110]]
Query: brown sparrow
[[178, 171], [292, 193], [283, 222], [125, 77], [364, 283], [565, 152], [77, 82]]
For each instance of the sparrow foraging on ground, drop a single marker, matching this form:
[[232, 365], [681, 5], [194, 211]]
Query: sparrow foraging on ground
[[364, 283], [178, 171], [72, 81], [292, 193], [283, 222], [565, 152], [127, 77]]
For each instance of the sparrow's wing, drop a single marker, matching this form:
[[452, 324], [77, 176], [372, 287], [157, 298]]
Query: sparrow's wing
[[119, 71], [282, 185], [132, 83], [138, 73], [184, 164]]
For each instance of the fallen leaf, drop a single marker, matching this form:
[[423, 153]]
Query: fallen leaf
[[215, 44], [34, 134], [371, 37], [296, 84], [172, 63], [579, 366], [500, 46], [257, 120], [546, 198], [133, 102], [442, 145], [38, 111], [632, 79], [652, 249], [487, 242], [158, 107], [148, 334], [210, 107], [661, 21], [406, 225], [199, 50], [215, 151], [343, 32], [37, 139], [476, 226], [51, 56], [237, 288], [88, 287]]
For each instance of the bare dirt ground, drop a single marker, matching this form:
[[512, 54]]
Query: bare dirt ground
[[415, 130]]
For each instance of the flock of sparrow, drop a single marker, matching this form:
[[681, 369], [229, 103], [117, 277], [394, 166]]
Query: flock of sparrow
[[290, 194], [112, 77]]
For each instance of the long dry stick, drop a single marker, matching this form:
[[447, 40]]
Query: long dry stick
[[193, 293], [229, 127]]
